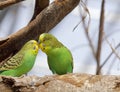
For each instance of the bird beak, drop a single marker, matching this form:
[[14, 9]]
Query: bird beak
[[39, 46], [36, 43], [39, 43]]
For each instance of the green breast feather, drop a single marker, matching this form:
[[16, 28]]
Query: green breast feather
[[22, 62], [59, 57]]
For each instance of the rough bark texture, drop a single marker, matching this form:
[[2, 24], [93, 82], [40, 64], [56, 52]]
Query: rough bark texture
[[44, 22], [61, 83], [39, 6], [6, 3]]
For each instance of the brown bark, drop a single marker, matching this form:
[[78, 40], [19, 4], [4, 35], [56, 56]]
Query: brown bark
[[44, 22], [100, 37], [39, 6], [61, 83], [6, 3]]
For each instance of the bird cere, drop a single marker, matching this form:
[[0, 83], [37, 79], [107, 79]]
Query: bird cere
[[59, 57]]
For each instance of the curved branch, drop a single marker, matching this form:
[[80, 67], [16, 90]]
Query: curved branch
[[6, 3], [39, 6], [44, 22]]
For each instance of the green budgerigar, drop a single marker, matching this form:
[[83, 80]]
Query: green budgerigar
[[22, 62], [59, 58]]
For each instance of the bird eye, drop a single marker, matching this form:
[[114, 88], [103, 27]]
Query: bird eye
[[44, 48], [43, 40], [34, 47]]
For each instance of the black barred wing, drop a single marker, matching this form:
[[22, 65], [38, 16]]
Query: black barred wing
[[12, 63]]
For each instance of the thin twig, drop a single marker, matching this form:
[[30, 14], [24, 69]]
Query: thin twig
[[111, 65], [113, 50], [86, 28], [79, 22], [100, 37], [109, 56]]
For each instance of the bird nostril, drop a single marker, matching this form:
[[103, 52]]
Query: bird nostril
[[43, 45], [34, 47]]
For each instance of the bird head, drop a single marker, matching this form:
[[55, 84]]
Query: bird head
[[48, 42], [32, 45], [45, 42]]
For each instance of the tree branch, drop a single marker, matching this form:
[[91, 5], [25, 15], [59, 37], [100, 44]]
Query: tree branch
[[100, 37], [86, 28], [6, 3], [61, 83], [44, 22], [109, 56], [39, 6], [113, 50]]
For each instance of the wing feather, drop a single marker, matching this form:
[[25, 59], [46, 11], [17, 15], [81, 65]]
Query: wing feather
[[12, 63]]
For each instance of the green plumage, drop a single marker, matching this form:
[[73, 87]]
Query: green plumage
[[60, 59], [22, 62]]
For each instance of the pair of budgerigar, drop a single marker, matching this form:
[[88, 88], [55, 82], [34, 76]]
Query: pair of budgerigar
[[59, 58]]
